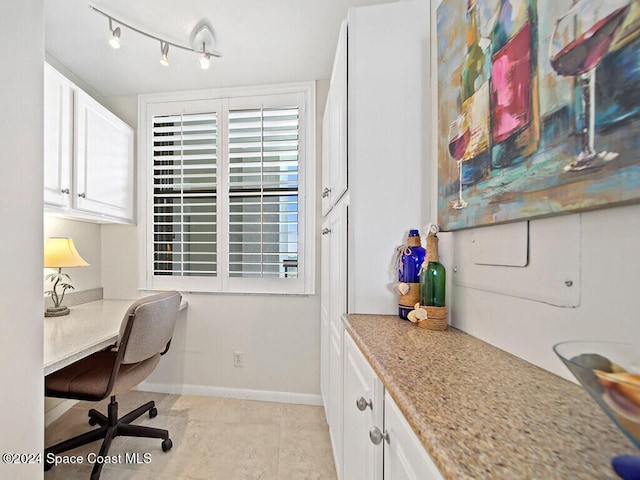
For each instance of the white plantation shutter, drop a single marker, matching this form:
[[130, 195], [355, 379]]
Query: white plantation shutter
[[228, 190], [185, 194], [263, 185]]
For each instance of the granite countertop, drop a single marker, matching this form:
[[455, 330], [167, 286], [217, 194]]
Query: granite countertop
[[482, 413]]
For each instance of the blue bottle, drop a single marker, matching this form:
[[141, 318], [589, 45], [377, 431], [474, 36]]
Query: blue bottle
[[409, 273]]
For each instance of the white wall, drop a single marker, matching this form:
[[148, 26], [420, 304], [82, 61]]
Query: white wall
[[21, 168], [278, 335], [87, 239], [610, 301]]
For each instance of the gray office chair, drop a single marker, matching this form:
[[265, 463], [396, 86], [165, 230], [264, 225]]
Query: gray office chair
[[145, 335]]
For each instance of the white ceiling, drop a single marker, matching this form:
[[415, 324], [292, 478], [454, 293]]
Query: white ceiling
[[261, 41]]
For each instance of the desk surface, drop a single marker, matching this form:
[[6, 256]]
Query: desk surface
[[89, 328]]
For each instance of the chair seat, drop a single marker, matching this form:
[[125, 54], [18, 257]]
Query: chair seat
[[88, 379]]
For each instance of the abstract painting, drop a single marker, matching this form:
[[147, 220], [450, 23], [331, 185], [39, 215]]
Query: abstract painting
[[538, 108]]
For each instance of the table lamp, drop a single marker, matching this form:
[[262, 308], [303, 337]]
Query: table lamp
[[60, 252]]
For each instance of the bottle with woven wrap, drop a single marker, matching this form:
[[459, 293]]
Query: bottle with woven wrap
[[409, 262], [432, 274]]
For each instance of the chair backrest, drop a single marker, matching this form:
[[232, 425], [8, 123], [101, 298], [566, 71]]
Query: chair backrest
[[152, 320]]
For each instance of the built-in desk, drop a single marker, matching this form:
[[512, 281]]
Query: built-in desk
[[89, 328]]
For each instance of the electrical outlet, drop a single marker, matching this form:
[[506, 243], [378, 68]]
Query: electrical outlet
[[237, 359]]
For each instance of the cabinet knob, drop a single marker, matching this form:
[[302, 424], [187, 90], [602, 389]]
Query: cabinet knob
[[65, 191], [326, 192], [362, 404], [377, 436], [82, 195], [326, 231]]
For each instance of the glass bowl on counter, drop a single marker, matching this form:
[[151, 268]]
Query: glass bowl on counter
[[610, 373]]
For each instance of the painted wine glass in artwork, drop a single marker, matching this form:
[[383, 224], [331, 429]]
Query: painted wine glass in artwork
[[459, 136], [580, 39]]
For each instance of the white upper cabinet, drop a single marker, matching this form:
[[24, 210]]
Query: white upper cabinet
[[88, 156], [103, 181], [58, 151], [334, 131]]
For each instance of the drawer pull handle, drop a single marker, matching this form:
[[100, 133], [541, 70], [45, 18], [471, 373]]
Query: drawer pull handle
[[326, 192], [82, 195], [65, 191], [326, 231], [362, 404]]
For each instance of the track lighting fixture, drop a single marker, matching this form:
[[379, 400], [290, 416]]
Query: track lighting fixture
[[164, 48], [202, 35], [114, 41]]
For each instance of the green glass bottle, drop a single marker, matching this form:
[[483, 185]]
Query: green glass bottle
[[432, 276]]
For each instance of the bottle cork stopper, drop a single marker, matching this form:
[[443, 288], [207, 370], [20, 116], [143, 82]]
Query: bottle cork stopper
[[413, 241]]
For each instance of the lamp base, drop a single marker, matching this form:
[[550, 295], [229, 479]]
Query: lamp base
[[56, 311]]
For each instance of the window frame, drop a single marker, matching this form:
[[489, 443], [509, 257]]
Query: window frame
[[223, 100]]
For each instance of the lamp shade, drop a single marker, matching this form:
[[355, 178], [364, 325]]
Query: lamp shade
[[60, 252]]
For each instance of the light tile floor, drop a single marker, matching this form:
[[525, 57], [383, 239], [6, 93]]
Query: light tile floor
[[213, 439]]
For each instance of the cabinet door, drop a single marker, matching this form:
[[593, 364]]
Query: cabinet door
[[338, 114], [363, 409], [324, 319], [327, 139], [335, 395], [337, 306], [404, 456], [103, 179], [334, 129], [58, 128]]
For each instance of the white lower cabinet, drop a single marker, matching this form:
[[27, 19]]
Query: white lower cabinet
[[379, 443], [404, 456], [363, 408]]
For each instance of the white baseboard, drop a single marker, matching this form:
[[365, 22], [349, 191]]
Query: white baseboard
[[240, 393], [56, 412]]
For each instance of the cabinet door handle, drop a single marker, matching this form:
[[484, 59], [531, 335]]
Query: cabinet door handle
[[362, 404], [326, 231], [65, 191], [326, 192], [377, 436], [82, 195]]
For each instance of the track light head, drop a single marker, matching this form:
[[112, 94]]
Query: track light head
[[114, 41], [205, 61], [164, 48], [205, 58]]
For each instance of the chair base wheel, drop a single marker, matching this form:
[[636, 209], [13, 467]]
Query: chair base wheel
[[153, 412], [166, 445], [92, 422]]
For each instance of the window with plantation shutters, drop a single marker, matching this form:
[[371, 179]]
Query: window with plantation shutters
[[227, 189], [185, 194], [263, 173]]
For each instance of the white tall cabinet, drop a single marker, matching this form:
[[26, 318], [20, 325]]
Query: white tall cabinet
[[375, 147]]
